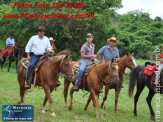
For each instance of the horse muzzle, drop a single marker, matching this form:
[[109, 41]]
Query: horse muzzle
[[70, 77], [116, 79]]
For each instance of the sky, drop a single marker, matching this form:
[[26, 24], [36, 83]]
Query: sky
[[153, 7]]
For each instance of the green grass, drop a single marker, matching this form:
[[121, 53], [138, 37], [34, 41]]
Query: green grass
[[9, 90]]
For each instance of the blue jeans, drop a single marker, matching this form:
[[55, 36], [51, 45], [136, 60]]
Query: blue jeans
[[81, 71], [33, 62], [8, 47]]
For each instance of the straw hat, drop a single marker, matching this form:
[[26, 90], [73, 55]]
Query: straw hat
[[51, 39], [41, 28], [112, 39]]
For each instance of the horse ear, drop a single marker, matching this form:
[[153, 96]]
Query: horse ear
[[132, 54], [112, 60], [71, 56], [127, 54]]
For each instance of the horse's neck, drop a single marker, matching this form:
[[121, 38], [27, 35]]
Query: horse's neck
[[56, 61], [122, 65], [102, 69]]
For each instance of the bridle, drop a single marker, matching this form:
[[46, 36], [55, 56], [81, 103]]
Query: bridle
[[68, 76]]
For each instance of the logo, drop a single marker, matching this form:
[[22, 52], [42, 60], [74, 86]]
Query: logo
[[17, 112]]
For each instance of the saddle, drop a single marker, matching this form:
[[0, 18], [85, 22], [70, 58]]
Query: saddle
[[149, 70], [76, 66], [9, 52], [33, 77]]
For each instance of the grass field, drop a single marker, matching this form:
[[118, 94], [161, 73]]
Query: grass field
[[9, 95]]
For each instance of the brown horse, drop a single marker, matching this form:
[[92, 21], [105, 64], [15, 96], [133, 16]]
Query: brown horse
[[94, 81], [48, 75], [126, 61]]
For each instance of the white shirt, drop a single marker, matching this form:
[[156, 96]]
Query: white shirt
[[38, 45]]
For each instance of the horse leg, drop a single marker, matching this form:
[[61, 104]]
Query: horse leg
[[92, 93], [47, 93], [117, 91], [16, 62], [65, 92], [97, 100], [3, 63], [105, 97], [71, 95], [136, 98], [45, 101], [149, 99], [89, 100], [22, 89], [9, 66]]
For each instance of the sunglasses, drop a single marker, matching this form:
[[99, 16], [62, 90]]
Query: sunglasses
[[41, 31], [89, 37]]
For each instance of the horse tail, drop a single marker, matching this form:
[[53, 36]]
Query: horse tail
[[133, 79]]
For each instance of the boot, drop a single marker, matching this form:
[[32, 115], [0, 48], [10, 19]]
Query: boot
[[76, 88], [27, 86], [58, 84]]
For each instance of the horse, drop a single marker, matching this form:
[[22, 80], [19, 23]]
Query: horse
[[48, 75], [127, 61], [93, 81], [138, 77], [16, 55]]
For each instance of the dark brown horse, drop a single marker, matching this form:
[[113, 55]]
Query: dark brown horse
[[124, 62], [138, 77], [16, 55], [94, 81], [48, 75]]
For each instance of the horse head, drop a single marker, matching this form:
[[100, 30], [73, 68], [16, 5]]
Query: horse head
[[130, 61], [113, 70], [66, 66], [18, 52]]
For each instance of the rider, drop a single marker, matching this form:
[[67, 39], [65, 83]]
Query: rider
[[37, 45], [159, 68], [53, 49], [9, 42], [87, 54], [108, 52]]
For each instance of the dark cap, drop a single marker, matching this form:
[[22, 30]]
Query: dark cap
[[10, 34], [89, 35]]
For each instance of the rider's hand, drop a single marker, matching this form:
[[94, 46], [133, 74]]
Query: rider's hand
[[94, 56], [28, 57]]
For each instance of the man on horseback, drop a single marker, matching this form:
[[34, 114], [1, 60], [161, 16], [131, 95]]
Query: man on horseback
[[108, 52], [53, 49], [9, 42], [88, 56], [37, 45]]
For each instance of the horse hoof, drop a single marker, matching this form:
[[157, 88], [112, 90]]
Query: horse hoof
[[43, 111], [96, 115], [116, 111], [20, 103], [85, 109], [53, 115], [152, 118]]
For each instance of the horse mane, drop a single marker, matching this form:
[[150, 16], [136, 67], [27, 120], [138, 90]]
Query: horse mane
[[64, 52], [122, 58]]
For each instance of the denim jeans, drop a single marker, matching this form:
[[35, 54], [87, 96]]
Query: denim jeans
[[81, 71], [33, 62], [8, 47], [158, 71]]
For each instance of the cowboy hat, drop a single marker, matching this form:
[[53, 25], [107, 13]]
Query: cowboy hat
[[51, 39], [112, 39], [41, 28]]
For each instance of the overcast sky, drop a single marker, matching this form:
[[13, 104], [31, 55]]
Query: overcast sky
[[153, 7]]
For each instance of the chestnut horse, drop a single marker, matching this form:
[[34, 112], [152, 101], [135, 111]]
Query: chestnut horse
[[94, 81], [126, 61], [137, 76], [48, 75]]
